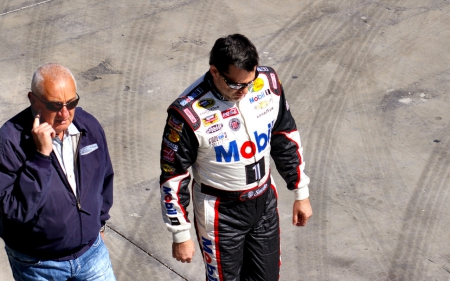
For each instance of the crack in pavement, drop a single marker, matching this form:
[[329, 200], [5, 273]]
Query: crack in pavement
[[147, 253], [23, 8]]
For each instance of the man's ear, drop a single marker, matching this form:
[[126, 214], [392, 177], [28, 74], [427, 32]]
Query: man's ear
[[214, 71], [32, 99]]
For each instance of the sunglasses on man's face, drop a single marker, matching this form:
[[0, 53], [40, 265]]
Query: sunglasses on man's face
[[239, 86], [57, 106]]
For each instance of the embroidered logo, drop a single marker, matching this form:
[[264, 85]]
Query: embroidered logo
[[88, 149]]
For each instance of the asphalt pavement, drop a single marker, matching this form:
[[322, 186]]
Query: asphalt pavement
[[367, 82]]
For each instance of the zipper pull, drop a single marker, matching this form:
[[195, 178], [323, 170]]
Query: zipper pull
[[81, 209]]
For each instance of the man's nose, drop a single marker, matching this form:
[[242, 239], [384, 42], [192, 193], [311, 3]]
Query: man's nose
[[64, 111], [244, 90]]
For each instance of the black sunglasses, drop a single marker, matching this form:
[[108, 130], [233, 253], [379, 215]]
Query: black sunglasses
[[239, 86], [57, 106]]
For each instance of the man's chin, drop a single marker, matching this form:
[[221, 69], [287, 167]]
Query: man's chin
[[61, 128]]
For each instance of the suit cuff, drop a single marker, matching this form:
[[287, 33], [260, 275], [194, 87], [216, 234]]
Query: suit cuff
[[301, 193], [181, 236]]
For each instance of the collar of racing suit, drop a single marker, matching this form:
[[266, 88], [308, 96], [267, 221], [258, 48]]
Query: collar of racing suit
[[214, 90]]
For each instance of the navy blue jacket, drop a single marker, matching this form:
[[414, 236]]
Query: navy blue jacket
[[39, 214]]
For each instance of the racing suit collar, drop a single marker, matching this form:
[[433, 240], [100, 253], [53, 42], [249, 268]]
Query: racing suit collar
[[214, 90]]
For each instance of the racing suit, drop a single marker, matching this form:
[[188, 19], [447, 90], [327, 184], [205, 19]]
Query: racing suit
[[228, 145]]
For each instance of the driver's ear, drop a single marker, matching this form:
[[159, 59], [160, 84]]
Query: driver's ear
[[214, 71]]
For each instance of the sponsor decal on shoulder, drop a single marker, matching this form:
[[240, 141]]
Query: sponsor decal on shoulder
[[206, 103], [234, 124], [172, 146], [168, 155], [191, 96], [274, 80], [173, 135], [230, 112], [211, 119], [258, 84], [262, 68], [167, 168], [190, 115], [175, 123], [214, 128]]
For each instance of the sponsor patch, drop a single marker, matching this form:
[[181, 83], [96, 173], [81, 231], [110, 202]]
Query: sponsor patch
[[230, 112], [258, 84], [168, 201], [234, 124], [264, 113], [206, 103], [174, 221], [173, 135], [190, 115], [168, 155], [171, 145], [217, 139], [167, 168], [214, 128], [262, 68], [263, 104], [175, 124], [260, 96], [211, 119], [187, 99], [253, 193], [274, 81], [207, 111]]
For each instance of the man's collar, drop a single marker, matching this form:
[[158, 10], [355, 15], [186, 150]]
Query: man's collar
[[71, 131], [214, 89]]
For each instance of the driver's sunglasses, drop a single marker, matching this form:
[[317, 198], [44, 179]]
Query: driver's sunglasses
[[57, 106], [239, 86]]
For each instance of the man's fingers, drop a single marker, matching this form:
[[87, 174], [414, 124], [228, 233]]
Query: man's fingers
[[52, 133], [36, 121]]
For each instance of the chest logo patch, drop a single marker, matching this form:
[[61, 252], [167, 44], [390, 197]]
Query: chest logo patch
[[234, 124]]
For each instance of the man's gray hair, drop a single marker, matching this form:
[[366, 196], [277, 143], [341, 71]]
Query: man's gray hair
[[51, 71]]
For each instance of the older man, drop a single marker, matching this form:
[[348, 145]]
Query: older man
[[56, 185]]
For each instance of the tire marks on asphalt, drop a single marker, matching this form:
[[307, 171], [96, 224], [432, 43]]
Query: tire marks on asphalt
[[348, 61]]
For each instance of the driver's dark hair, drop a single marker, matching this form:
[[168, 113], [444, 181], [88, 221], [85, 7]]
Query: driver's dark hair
[[235, 49]]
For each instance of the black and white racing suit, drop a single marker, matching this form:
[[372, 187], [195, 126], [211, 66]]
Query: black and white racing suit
[[228, 145]]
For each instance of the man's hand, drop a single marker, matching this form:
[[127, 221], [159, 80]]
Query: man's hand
[[42, 136], [183, 251], [301, 212]]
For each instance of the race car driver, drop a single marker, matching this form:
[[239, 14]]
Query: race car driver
[[226, 126]]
